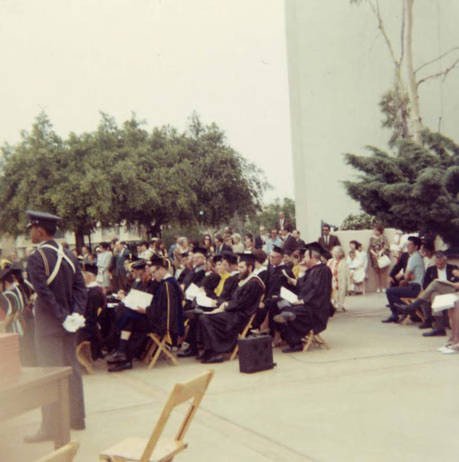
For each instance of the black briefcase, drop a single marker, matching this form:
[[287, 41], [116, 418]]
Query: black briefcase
[[255, 354]]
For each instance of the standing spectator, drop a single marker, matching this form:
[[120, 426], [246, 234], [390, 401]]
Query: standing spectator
[[282, 222], [377, 248], [290, 244], [340, 275], [181, 249], [104, 259], [357, 271], [327, 240], [119, 273], [297, 235]]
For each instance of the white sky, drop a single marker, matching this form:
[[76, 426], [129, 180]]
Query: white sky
[[162, 59]]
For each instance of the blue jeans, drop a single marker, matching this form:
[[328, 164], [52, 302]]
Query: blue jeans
[[395, 294]]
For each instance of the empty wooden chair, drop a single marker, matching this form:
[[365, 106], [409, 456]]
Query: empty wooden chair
[[156, 448], [63, 454], [243, 334], [314, 339], [158, 347]]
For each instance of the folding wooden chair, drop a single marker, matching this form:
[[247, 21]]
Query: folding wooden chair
[[84, 355], [243, 334], [63, 454], [418, 312], [157, 347], [314, 339], [164, 450]]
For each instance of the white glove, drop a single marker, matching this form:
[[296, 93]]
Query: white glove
[[73, 322]]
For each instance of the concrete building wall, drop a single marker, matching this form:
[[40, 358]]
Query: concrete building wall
[[339, 67]]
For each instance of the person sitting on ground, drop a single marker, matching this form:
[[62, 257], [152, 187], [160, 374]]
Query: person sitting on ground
[[340, 275], [411, 284], [313, 308], [442, 278], [219, 329]]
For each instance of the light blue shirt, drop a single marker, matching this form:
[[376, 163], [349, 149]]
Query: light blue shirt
[[270, 243], [416, 266]]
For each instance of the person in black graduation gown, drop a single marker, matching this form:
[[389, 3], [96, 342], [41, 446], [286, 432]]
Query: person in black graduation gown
[[199, 269], [218, 330], [61, 296], [277, 275], [232, 281], [164, 316], [313, 307], [121, 316], [211, 278]]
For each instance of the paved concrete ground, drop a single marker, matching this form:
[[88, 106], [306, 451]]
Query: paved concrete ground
[[381, 393]]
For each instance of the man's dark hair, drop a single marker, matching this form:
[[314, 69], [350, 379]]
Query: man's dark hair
[[440, 254], [415, 240], [50, 228], [250, 236], [289, 227]]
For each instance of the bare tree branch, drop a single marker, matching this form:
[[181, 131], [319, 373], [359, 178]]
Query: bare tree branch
[[377, 13], [440, 74], [402, 34], [436, 59]]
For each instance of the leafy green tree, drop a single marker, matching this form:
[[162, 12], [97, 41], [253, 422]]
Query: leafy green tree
[[415, 189], [126, 174], [361, 221], [269, 215]]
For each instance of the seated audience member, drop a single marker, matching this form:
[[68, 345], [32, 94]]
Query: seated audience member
[[220, 245], [219, 329], [122, 315], [261, 239], [278, 275], [164, 316], [180, 250], [229, 263], [199, 269], [452, 346], [249, 242], [183, 271], [428, 253], [397, 272], [273, 241], [340, 275], [212, 277], [313, 307], [411, 284], [206, 244], [260, 265], [297, 235], [442, 278], [90, 331], [238, 246], [288, 260]]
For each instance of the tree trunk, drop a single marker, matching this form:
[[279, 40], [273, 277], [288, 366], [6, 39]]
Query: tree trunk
[[79, 239], [416, 118]]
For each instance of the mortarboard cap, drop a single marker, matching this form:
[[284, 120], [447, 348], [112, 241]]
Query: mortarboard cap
[[318, 248], [200, 250], [5, 272], [41, 218], [156, 260], [139, 264], [278, 249], [217, 258], [229, 257], [249, 258]]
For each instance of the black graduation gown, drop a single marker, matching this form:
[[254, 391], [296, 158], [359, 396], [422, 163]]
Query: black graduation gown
[[219, 331], [229, 287], [165, 314], [314, 291]]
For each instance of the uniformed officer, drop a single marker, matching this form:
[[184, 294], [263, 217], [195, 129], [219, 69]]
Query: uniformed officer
[[61, 300]]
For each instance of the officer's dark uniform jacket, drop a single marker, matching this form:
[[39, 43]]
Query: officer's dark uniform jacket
[[66, 292]]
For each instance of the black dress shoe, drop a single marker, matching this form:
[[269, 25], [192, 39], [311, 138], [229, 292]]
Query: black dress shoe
[[391, 319], [426, 325], [216, 358], [293, 348], [117, 357], [77, 425], [187, 353], [118, 367], [435, 333], [38, 437]]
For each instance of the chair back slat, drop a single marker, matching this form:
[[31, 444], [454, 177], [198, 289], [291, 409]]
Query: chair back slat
[[64, 454]]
